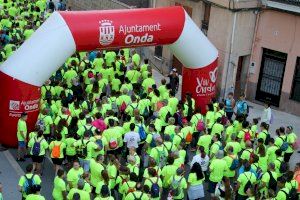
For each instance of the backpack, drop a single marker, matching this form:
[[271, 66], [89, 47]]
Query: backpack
[[146, 112], [285, 144], [36, 149], [175, 186], [162, 157], [48, 93], [189, 137], [123, 107], [89, 130], [268, 137], [247, 107], [83, 152], [153, 143], [292, 194], [248, 184], [247, 135], [259, 172], [284, 167], [168, 115], [136, 197], [114, 106], [41, 123], [224, 119], [251, 155], [99, 143], [200, 125], [142, 132], [113, 143], [154, 191], [56, 150], [235, 164], [272, 182], [28, 184]]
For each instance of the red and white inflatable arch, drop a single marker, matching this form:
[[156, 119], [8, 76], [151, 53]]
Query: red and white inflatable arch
[[22, 75]]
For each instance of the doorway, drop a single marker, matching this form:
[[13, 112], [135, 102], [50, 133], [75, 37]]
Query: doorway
[[271, 76]]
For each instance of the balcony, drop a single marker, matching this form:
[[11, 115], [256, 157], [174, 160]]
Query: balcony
[[290, 2], [291, 6]]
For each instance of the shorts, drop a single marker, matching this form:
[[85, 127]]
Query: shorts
[[57, 161], [212, 187], [21, 144], [37, 159]]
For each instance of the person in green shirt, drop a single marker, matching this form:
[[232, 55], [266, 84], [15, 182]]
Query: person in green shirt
[[168, 171], [136, 59], [57, 148], [38, 154], [264, 184], [215, 147], [217, 128], [60, 189], [217, 169], [79, 193], [242, 181], [264, 131], [205, 141], [271, 148], [96, 168], [104, 194], [178, 184], [195, 182], [137, 194], [291, 139], [74, 174], [148, 82], [283, 192], [35, 194], [210, 116], [22, 135], [24, 180], [234, 144]]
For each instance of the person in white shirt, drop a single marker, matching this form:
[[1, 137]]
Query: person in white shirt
[[132, 138], [203, 160], [267, 114]]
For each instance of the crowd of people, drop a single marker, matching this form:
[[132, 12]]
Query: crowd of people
[[114, 132]]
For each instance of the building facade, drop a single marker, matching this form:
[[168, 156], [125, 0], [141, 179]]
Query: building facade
[[274, 75], [258, 43], [230, 27]]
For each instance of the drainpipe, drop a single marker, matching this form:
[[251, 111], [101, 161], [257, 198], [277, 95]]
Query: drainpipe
[[230, 52]]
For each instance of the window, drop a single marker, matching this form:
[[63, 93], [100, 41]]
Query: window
[[205, 21], [158, 51], [295, 94]]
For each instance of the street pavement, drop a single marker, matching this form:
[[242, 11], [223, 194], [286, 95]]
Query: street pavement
[[10, 170]]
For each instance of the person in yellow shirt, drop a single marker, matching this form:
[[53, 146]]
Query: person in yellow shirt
[[22, 135]]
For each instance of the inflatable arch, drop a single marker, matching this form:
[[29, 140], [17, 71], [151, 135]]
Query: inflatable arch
[[22, 75]]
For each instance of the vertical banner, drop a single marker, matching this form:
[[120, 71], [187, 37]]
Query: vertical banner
[[19, 97], [201, 83]]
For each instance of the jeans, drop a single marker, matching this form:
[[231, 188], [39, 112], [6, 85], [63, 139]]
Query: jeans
[[85, 164]]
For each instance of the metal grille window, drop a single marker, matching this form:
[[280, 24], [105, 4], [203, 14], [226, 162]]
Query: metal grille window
[[295, 95], [272, 74]]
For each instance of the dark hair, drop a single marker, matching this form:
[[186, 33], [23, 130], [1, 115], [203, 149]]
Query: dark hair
[[245, 124], [196, 168], [264, 125], [29, 168], [104, 191], [170, 160], [132, 126], [133, 177], [60, 172], [210, 107], [105, 176]]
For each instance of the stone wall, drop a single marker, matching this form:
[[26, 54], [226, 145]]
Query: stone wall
[[96, 4]]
